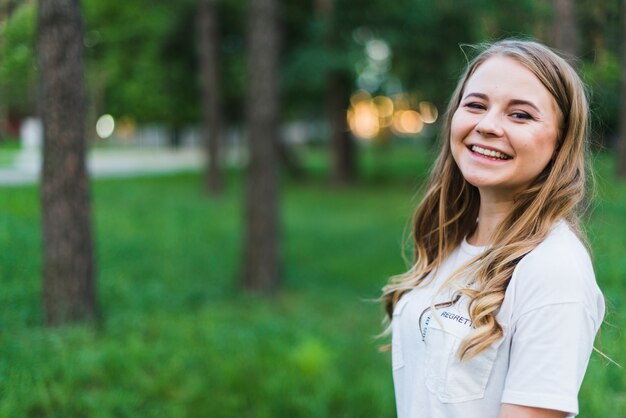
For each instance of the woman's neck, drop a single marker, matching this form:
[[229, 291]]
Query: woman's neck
[[490, 215]]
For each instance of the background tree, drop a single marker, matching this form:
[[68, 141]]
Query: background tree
[[600, 23], [566, 27], [148, 70], [209, 65], [338, 88], [621, 142], [68, 258], [261, 242]]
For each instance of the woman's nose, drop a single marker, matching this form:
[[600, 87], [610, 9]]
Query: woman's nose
[[490, 125]]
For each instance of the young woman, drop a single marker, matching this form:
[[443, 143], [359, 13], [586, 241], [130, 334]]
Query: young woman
[[498, 314]]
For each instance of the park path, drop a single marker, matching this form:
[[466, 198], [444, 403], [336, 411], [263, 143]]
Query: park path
[[103, 163]]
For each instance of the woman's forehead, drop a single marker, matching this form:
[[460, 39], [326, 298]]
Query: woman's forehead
[[504, 78]]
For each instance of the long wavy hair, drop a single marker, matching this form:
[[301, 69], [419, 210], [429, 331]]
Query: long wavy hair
[[449, 208]]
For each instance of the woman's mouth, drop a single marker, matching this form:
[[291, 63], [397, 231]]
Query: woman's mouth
[[491, 154]]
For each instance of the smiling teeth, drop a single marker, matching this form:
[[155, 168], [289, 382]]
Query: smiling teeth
[[490, 153]]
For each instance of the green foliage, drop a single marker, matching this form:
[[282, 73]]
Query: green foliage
[[425, 38], [178, 338], [141, 53], [603, 78], [233, 57], [17, 59]]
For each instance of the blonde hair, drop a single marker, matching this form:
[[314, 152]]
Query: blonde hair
[[449, 208]]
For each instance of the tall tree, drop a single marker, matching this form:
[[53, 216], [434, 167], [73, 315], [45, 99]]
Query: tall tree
[[344, 148], [69, 288], [261, 246], [338, 84], [208, 54], [621, 142], [566, 27]]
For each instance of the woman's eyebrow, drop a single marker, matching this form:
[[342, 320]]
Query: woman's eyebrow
[[513, 102], [478, 95], [525, 102]]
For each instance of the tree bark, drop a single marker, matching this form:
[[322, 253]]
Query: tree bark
[[261, 246], [597, 34], [343, 148], [208, 53], [566, 28], [69, 289], [621, 141]]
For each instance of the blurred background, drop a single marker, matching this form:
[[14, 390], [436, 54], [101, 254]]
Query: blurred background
[[251, 170]]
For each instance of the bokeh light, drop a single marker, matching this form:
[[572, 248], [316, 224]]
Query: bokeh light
[[105, 126], [373, 118], [377, 50], [363, 119], [407, 122], [429, 112], [385, 110]]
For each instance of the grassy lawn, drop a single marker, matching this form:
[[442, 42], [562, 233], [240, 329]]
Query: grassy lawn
[[9, 149], [180, 340]]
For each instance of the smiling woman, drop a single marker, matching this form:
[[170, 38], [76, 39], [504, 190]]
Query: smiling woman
[[505, 130], [497, 316]]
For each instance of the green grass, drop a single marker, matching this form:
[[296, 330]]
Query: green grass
[[179, 339], [9, 149]]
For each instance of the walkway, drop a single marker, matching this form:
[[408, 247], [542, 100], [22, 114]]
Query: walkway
[[109, 163]]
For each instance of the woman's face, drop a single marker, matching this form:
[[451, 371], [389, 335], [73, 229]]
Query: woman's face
[[504, 132]]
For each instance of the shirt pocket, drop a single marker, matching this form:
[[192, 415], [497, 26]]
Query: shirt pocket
[[449, 378]]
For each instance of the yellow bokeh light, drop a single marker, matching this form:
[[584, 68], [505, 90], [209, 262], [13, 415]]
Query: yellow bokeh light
[[363, 120], [401, 114], [360, 96], [384, 105], [125, 128], [401, 102], [385, 122], [411, 121], [407, 122], [385, 110], [429, 112]]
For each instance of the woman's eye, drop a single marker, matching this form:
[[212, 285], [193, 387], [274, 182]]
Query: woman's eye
[[521, 115], [475, 105]]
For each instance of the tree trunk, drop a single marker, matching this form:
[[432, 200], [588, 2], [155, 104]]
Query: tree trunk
[[566, 28], [261, 245], [69, 289], [208, 54], [343, 148], [597, 34], [621, 141]]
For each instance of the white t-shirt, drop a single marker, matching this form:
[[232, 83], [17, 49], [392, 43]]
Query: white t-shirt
[[551, 312]]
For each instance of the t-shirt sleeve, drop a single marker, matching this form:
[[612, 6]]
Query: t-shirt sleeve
[[550, 350]]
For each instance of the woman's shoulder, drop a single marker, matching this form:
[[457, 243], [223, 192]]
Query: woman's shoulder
[[562, 249], [559, 270]]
